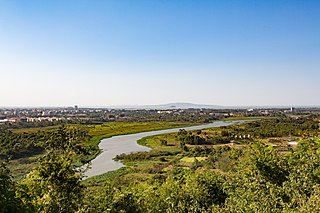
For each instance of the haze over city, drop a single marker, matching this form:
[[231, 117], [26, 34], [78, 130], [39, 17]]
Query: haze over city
[[107, 53]]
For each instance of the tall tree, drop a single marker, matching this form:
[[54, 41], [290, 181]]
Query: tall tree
[[56, 184]]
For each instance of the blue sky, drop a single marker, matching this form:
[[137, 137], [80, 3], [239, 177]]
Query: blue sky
[[129, 52]]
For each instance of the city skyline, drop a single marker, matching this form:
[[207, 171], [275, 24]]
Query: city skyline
[[108, 53]]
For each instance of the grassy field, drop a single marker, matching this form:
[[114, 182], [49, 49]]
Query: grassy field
[[192, 159], [121, 128], [20, 167]]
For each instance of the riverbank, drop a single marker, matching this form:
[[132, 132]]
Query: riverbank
[[108, 130], [118, 145], [22, 166]]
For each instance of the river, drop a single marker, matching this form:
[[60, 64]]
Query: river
[[116, 145]]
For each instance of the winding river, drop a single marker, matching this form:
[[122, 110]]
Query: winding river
[[111, 147]]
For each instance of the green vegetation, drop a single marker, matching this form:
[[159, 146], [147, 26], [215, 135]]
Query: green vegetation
[[193, 159], [235, 174], [257, 172], [120, 128], [107, 130], [53, 186], [278, 127], [260, 180], [24, 146], [19, 145]]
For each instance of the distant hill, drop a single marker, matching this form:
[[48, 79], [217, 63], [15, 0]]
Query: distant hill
[[171, 106]]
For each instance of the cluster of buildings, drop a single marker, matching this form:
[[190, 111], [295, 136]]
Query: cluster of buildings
[[91, 115], [14, 115]]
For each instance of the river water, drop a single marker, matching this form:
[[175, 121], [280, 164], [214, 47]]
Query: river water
[[111, 147]]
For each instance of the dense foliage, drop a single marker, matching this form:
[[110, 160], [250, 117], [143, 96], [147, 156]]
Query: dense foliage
[[198, 139], [278, 127], [267, 128], [19, 145], [53, 186], [260, 180]]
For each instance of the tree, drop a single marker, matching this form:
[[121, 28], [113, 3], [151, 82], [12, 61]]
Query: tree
[[55, 186], [8, 202]]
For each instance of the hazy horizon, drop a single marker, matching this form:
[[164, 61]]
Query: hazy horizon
[[217, 106], [130, 52]]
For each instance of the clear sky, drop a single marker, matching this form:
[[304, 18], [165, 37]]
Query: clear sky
[[137, 52]]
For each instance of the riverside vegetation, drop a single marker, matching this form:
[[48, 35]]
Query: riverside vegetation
[[24, 146], [242, 168]]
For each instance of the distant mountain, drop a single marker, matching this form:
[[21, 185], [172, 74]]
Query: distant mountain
[[171, 106]]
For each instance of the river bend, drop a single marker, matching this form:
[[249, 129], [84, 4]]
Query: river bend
[[116, 145]]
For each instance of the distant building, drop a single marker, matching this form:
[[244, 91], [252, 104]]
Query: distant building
[[291, 110], [3, 120], [76, 107], [23, 119], [13, 120]]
